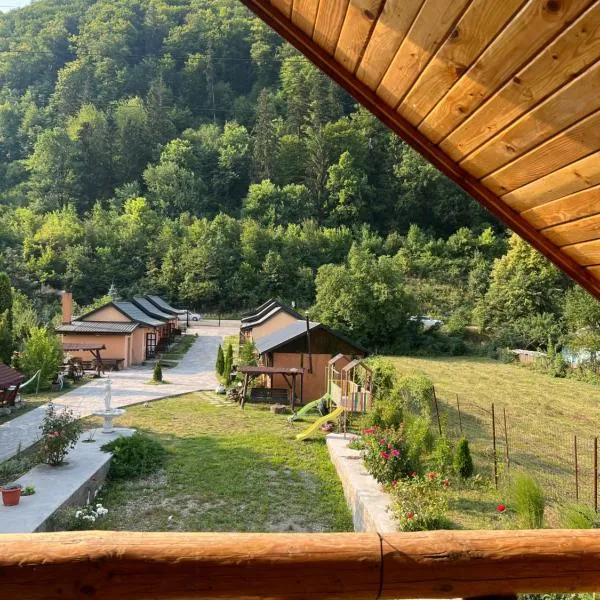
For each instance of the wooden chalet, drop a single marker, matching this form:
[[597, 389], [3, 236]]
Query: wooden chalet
[[503, 97], [267, 318], [131, 332], [307, 346]]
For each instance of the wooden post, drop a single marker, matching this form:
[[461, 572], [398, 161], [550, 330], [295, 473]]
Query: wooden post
[[293, 390], [437, 411], [244, 390], [506, 440], [576, 468], [596, 474], [494, 446], [459, 417]]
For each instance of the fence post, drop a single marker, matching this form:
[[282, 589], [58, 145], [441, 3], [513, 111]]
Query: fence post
[[459, 417], [506, 440], [576, 469], [596, 474], [494, 446], [437, 411]]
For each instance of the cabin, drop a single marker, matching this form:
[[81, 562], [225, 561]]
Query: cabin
[[267, 318], [131, 332], [308, 346]]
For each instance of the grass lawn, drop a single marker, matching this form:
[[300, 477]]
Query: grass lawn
[[543, 415], [227, 470]]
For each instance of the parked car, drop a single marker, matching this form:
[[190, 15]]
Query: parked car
[[428, 322]]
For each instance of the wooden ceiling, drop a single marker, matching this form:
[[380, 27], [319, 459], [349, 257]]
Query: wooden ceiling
[[502, 95]]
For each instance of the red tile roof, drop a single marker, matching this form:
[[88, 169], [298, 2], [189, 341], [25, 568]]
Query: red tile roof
[[9, 377]]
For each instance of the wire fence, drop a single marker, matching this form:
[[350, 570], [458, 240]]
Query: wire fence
[[504, 442]]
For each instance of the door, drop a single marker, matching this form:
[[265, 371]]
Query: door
[[151, 344]]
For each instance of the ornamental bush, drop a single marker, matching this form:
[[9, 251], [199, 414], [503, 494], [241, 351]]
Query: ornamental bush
[[134, 456], [157, 373], [220, 365], [463, 463], [421, 503], [528, 500], [385, 454], [60, 432], [42, 351]]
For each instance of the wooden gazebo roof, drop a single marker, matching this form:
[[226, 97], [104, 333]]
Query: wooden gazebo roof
[[501, 95]]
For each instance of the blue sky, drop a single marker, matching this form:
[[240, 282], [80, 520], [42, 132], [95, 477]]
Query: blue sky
[[8, 4]]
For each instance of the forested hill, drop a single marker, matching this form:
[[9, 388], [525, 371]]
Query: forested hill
[[181, 147]]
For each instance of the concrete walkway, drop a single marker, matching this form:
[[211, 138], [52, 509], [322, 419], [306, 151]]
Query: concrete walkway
[[196, 371]]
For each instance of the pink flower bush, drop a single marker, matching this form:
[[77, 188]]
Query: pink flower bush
[[385, 453]]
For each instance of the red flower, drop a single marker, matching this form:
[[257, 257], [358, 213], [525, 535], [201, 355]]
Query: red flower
[[501, 508], [369, 430], [413, 474], [394, 483], [410, 515], [382, 442], [384, 455], [446, 483], [395, 452], [431, 475]]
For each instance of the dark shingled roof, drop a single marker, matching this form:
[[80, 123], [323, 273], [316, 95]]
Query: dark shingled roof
[[9, 377], [252, 313], [271, 312], [137, 314], [293, 331], [84, 327], [165, 306], [150, 309]]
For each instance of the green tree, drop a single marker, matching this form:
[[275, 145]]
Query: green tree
[[228, 363], [463, 463], [582, 314], [42, 351], [6, 319], [366, 299], [220, 365]]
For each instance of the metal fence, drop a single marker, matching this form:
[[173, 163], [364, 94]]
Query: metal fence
[[565, 464]]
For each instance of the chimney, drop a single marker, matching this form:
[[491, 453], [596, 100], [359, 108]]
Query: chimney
[[67, 307]]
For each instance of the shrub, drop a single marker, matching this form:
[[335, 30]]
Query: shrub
[[60, 432], [157, 373], [386, 454], [134, 456], [421, 503], [220, 361], [579, 516], [528, 500], [463, 463], [42, 351], [386, 413], [385, 377], [247, 356], [77, 519], [419, 437], [443, 456], [228, 364]]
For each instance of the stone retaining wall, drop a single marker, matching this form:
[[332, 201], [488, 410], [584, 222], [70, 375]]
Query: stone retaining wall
[[367, 501]]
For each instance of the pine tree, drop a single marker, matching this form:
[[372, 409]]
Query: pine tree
[[220, 366], [157, 374], [463, 463], [6, 319], [228, 363]]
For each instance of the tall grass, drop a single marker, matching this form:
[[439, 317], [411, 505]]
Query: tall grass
[[528, 500]]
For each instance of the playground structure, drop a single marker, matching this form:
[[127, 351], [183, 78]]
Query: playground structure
[[345, 390]]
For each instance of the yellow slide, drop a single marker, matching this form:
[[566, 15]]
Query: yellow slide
[[321, 421]]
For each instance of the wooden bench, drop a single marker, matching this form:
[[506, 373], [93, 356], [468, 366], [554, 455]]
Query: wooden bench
[[113, 364]]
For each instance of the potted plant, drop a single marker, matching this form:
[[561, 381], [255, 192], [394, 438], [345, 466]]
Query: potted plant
[[11, 494]]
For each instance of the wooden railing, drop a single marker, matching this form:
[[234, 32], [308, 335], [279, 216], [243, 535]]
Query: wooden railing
[[132, 566]]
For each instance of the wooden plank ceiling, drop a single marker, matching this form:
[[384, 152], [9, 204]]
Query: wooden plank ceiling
[[502, 95]]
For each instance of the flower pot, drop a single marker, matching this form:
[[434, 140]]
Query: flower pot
[[11, 495]]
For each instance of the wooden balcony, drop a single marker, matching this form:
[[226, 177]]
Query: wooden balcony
[[443, 564]]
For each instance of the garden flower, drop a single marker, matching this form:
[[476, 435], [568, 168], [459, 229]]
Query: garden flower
[[395, 452], [394, 483], [446, 483], [413, 474], [431, 475], [410, 515], [384, 455], [382, 442], [501, 508]]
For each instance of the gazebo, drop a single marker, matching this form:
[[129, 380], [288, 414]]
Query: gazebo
[[10, 381], [289, 374]]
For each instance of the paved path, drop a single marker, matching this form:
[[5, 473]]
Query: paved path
[[195, 372]]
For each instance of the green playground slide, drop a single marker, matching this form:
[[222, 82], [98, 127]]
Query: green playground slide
[[306, 409], [315, 426]]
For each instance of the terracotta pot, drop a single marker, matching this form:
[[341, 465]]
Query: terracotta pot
[[11, 496]]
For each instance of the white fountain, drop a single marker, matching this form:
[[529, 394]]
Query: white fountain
[[109, 413]]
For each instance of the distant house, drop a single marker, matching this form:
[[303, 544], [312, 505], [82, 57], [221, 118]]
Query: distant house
[[131, 332], [267, 318], [309, 346]]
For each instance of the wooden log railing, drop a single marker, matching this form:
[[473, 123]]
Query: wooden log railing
[[132, 566]]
